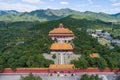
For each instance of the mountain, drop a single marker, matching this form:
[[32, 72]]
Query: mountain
[[94, 16], [51, 14], [40, 15], [3, 12], [117, 16]]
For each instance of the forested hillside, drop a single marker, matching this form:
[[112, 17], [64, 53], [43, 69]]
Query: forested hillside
[[22, 44], [55, 14]]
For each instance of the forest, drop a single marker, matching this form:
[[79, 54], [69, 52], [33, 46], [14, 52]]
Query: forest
[[90, 77], [87, 45], [23, 43]]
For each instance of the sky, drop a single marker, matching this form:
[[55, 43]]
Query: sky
[[106, 6]]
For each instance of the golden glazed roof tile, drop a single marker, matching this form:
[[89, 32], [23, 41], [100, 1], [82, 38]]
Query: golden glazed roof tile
[[94, 55], [61, 46], [61, 66]]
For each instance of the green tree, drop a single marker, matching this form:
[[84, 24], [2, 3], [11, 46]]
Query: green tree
[[84, 77], [30, 77], [92, 61], [53, 56], [81, 63], [101, 62], [90, 77], [2, 64]]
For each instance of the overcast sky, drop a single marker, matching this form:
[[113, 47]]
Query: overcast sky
[[107, 6]]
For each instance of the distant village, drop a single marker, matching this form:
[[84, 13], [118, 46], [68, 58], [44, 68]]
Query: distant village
[[104, 37]]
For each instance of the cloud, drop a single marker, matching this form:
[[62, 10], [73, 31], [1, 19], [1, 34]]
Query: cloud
[[17, 6], [90, 1], [111, 11], [32, 1], [116, 4], [64, 3]]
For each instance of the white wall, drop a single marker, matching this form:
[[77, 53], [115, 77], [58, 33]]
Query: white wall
[[63, 40]]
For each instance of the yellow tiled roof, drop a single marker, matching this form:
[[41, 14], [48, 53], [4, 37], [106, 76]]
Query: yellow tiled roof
[[94, 55], [61, 66], [60, 30], [61, 34], [61, 46]]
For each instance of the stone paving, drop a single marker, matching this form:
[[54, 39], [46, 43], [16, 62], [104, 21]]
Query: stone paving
[[67, 58]]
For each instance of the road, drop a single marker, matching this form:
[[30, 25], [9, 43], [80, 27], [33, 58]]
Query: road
[[61, 59], [56, 77]]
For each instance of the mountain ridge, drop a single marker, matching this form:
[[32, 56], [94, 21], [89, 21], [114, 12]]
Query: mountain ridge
[[3, 12], [54, 14]]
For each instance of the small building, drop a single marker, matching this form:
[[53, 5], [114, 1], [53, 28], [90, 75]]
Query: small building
[[115, 41], [20, 42], [94, 55], [98, 32], [90, 31], [106, 36], [94, 35]]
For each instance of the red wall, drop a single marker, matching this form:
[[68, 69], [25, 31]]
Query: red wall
[[39, 70]]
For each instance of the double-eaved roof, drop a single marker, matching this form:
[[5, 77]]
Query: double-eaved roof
[[61, 31]]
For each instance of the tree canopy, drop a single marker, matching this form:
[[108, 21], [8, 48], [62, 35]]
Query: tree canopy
[[30, 77]]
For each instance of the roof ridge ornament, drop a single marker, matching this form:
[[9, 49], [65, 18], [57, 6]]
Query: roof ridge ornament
[[61, 25]]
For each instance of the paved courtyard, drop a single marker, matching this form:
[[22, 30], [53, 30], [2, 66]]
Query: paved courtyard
[[65, 58]]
